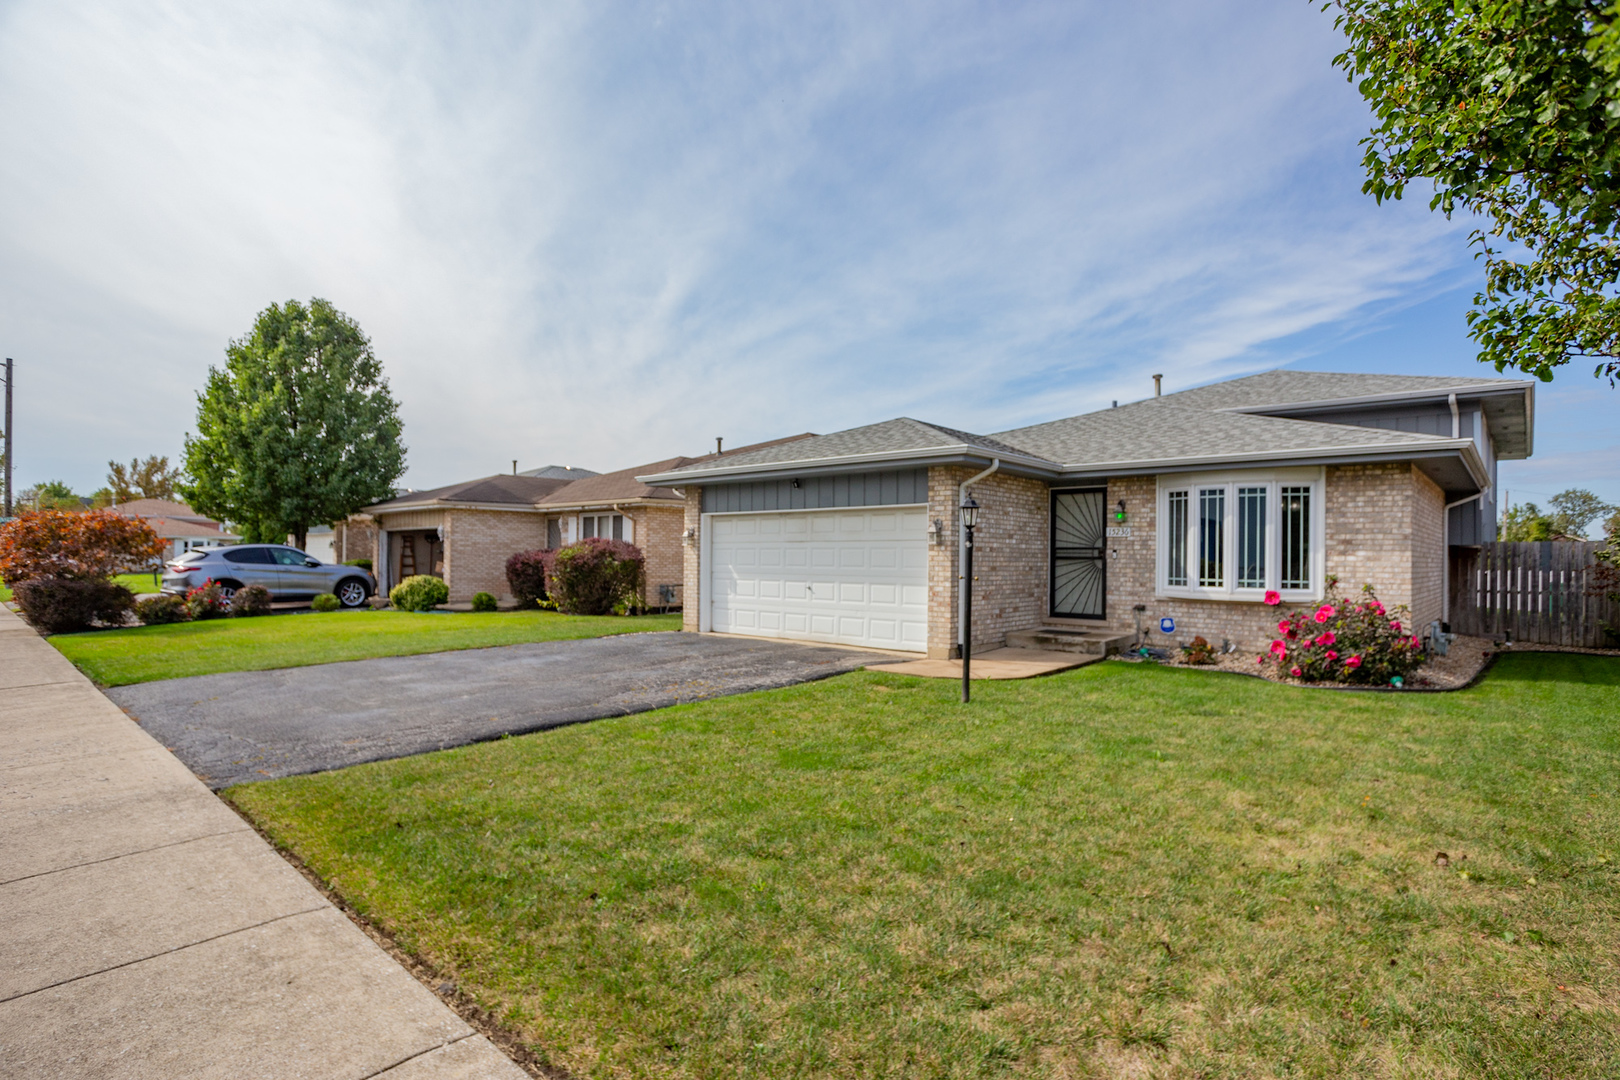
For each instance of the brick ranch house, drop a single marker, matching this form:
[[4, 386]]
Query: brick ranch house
[[465, 532], [180, 527], [1189, 506]]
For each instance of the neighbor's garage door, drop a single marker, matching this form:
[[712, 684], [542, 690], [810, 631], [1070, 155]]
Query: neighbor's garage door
[[856, 577]]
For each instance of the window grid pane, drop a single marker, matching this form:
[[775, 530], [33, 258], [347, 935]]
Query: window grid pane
[[1251, 538], [1212, 538], [1176, 568], [1296, 537]]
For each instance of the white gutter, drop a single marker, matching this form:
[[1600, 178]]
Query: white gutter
[[961, 554], [1445, 559], [1456, 419], [788, 468]]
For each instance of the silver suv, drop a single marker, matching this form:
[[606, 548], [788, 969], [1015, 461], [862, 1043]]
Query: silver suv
[[288, 573]]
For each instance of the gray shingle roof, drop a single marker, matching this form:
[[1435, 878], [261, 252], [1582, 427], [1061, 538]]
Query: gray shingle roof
[[1165, 429], [1284, 387], [500, 489], [899, 436]]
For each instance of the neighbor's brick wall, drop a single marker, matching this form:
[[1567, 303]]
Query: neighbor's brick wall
[[1382, 527], [691, 518], [355, 538], [1010, 567], [658, 535], [477, 544]]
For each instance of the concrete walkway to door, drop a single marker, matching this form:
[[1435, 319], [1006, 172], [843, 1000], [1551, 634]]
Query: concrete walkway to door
[[147, 931]]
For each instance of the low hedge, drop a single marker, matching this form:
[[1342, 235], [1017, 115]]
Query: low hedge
[[423, 592], [66, 605], [162, 609], [249, 601], [325, 602], [526, 576], [483, 601]]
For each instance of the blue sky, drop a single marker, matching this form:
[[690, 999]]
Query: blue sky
[[602, 234]]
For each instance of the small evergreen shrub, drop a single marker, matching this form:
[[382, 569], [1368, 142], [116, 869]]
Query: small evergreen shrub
[[325, 602], [1343, 642], [207, 602], [526, 576], [364, 564], [250, 601], [483, 601], [59, 605], [162, 609], [423, 592], [595, 576]]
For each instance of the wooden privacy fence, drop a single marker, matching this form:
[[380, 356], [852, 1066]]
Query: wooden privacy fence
[[1550, 592]]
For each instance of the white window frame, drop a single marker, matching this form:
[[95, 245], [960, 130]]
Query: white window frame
[[1273, 480]]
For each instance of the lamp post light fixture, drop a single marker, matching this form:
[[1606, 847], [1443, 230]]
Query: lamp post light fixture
[[970, 519]]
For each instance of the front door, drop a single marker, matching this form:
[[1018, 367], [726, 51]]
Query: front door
[[1079, 553]]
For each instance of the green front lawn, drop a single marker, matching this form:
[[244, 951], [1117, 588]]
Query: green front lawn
[[135, 583], [1125, 870], [141, 654]]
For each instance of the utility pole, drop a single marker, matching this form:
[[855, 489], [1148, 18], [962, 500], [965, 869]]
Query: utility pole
[[11, 441]]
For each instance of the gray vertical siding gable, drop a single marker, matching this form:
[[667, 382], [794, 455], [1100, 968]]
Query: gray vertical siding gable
[[890, 488]]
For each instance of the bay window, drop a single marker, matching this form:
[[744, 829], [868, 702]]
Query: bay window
[[1239, 535]]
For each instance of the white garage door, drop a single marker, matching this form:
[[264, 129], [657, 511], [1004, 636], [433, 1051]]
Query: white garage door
[[856, 577]]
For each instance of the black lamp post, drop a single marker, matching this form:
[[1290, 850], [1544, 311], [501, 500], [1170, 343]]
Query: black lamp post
[[970, 518]]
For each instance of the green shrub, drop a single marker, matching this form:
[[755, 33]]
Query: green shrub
[[66, 605], [420, 593], [526, 576], [1343, 642], [206, 601], [250, 600], [364, 564], [162, 609], [483, 601], [595, 576], [325, 602]]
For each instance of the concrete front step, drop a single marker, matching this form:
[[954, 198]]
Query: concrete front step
[[1065, 639]]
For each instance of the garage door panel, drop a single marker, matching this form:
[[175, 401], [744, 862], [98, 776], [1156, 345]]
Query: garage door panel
[[851, 576]]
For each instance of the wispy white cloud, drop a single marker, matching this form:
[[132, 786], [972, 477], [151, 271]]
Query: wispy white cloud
[[604, 234]]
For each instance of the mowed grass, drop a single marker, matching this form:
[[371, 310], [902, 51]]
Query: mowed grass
[[135, 583], [142, 654], [1126, 870]]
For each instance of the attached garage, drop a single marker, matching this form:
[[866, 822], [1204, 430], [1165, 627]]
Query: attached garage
[[848, 576]]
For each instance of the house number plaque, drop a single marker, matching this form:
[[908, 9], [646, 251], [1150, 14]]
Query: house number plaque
[[1119, 530]]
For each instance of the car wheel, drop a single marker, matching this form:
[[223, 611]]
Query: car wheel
[[227, 590], [351, 592]]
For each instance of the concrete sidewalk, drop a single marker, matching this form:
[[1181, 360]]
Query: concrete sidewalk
[[147, 931]]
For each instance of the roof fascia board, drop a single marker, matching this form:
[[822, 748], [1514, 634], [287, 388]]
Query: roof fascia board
[[516, 507], [1359, 455], [606, 504], [1414, 397], [889, 459]]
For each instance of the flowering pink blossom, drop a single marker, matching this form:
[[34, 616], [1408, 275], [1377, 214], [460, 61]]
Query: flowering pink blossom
[[1273, 597], [1331, 655], [1278, 649], [1353, 662], [1377, 608], [1395, 626], [1415, 642], [1327, 638], [1325, 612], [1284, 626], [1296, 673]]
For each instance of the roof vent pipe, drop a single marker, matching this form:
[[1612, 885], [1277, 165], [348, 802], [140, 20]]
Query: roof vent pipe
[[1158, 385], [514, 466], [717, 449]]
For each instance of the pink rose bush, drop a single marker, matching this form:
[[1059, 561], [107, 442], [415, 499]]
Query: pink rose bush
[[1336, 641]]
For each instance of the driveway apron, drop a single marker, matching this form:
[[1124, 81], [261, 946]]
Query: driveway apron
[[256, 725]]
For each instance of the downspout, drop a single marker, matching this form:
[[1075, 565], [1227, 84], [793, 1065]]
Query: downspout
[[1456, 418], [961, 555]]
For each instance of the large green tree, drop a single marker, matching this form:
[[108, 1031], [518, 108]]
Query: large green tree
[[297, 429], [149, 479], [1511, 108]]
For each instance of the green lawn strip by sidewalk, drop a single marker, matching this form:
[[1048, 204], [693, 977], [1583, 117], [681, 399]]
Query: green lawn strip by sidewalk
[[142, 654], [1122, 870], [135, 583]]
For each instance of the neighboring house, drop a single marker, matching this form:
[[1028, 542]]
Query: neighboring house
[[1188, 507], [181, 527], [465, 532]]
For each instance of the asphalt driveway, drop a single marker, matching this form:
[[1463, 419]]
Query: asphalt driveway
[[254, 725]]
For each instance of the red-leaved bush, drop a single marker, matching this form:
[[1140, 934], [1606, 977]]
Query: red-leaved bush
[[595, 576], [526, 576], [59, 605], [1337, 641], [79, 546]]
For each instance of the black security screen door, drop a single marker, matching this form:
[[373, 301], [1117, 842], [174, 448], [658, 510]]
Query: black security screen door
[[1079, 555]]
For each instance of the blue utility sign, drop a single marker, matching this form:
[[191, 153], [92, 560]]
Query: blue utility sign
[[1167, 625]]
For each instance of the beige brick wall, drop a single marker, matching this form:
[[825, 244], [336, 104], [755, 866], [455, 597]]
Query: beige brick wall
[[477, 544], [1009, 557], [355, 539], [691, 519], [1382, 528], [658, 535]]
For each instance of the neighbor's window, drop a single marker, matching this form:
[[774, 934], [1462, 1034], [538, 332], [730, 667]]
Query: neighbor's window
[[1240, 535]]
